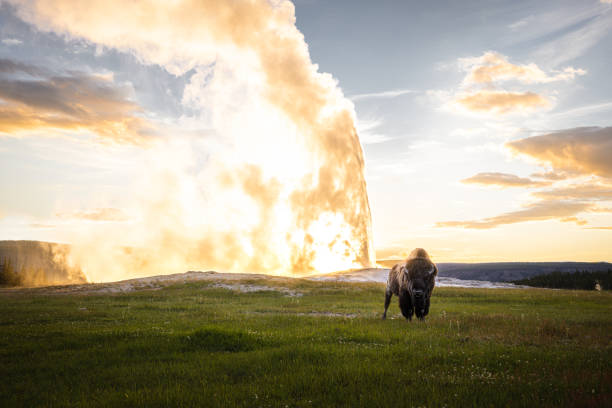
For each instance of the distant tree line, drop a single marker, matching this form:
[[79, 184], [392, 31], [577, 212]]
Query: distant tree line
[[585, 280], [8, 275]]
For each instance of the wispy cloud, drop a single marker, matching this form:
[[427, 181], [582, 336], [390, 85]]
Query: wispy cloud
[[97, 214], [550, 175], [560, 34], [503, 180], [583, 110], [582, 36], [381, 95], [593, 191], [520, 23], [41, 226], [11, 41], [564, 211], [366, 128]]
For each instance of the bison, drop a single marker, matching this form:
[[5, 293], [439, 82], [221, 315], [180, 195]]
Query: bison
[[412, 281]]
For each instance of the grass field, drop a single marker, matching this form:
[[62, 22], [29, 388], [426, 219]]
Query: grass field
[[318, 344]]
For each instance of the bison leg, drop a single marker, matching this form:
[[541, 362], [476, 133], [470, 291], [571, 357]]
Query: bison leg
[[405, 304], [388, 295], [426, 306]]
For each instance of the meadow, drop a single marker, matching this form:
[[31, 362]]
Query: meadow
[[307, 344]]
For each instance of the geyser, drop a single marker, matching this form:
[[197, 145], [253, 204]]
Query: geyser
[[270, 177]]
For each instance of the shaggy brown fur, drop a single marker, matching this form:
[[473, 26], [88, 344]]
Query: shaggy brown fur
[[412, 282]]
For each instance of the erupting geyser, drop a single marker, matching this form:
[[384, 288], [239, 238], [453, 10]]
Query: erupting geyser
[[269, 177]]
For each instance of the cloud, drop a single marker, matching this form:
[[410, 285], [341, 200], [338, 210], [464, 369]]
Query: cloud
[[480, 91], [583, 110], [502, 102], [8, 66], [11, 41], [73, 101], [591, 191], [367, 134], [576, 220], [540, 211], [503, 180], [380, 95], [374, 138], [495, 67], [599, 228], [579, 151], [550, 175], [579, 33], [520, 23], [41, 226], [98, 214], [572, 153]]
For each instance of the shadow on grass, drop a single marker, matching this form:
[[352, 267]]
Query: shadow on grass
[[214, 339]]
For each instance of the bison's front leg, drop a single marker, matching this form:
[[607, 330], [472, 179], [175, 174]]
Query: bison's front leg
[[388, 295], [405, 304], [426, 306]]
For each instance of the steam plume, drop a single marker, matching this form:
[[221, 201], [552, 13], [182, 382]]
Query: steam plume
[[275, 183]]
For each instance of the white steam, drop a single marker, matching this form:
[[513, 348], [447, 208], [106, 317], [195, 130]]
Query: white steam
[[275, 184]]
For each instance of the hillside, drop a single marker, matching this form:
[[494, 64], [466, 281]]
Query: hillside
[[507, 271], [600, 280]]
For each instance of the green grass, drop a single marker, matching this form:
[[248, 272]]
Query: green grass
[[194, 345]]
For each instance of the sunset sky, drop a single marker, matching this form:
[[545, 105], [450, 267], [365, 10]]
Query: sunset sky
[[485, 125]]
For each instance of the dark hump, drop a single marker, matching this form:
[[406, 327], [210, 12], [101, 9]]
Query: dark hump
[[418, 253]]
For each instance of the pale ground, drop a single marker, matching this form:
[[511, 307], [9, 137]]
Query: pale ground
[[380, 275], [222, 280], [229, 281]]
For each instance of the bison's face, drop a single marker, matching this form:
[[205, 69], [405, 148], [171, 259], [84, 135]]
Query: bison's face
[[419, 295]]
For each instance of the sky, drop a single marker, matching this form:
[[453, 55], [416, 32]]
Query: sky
[[444, 93], [484, 130]]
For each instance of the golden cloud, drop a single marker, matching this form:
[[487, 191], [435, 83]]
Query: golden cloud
[[576, 220], [502, 102], [485, 72], [593, 192], [492, 67], [41, 225], [550, 175], [73, 102], [579, 151], [97, 214], [503, 180], [561, 203], [539, 211], [571, 153]]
